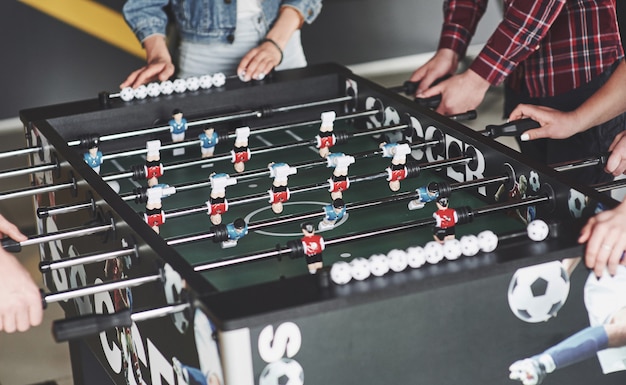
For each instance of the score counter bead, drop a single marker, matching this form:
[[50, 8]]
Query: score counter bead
[[378, 264], [179, 86], [205, 82], [537, 230], [416, 256], [140, 92], [219, 79], [359, 268], [167, 87], [452, 249], [192, 83], [153, 89], [488, 241], [340, 272], [397, 259], [434, 252], [469, 245], [127, 94]]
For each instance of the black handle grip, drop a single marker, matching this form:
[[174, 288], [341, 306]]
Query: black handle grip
[[432, 102], [11, 246], [82, 326], [469, 115], [410, 88], [513, 128]]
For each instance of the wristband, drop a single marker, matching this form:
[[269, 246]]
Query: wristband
[[275, 45]]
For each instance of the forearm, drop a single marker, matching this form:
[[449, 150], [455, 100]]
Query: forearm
[[608, 102], [288, 21]]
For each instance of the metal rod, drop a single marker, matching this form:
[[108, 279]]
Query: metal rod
[[35, 191], [99, 288], [28, 170], [158, 313], [83, 260], [23, 151], [35, 240]]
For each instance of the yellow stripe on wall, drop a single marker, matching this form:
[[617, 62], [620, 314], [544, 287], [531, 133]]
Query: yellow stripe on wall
[[94, 19]]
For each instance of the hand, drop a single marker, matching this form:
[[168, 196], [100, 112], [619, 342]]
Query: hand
[[616, 164], [445, 62], [604, 234], [459, 94], [259, 62], [20, 300], [159, 65], [555, 124]]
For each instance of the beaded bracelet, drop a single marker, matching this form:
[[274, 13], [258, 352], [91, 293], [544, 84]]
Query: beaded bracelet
[[275, 45]]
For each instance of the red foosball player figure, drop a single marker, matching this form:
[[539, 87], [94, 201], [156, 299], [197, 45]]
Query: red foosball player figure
[[339, 182], [240, 153], [313, 246], [326, 139], [154, 215], [280, 192], [446, 219], [153, 168], [217, 203]]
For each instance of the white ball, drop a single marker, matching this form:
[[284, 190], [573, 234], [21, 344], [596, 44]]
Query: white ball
[[206, 82], [153, 89], [397, 260], [469, 245], [340, 272], [140, 92], [538, 230], [536, 293], [180, 86], [378, 264], [284, 371], [127, 94], [359, 268], [416, 256], [219, 79], [192, 83], [434, 252], [487, 241], [167, 87], [452, 249]]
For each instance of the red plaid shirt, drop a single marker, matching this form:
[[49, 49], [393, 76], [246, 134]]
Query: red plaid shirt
[[553, 46]]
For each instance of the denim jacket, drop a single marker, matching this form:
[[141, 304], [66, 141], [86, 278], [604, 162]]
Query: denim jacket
[[204, 20]]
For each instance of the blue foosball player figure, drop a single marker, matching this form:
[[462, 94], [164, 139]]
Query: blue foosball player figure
[[93, 156], [208, 141], [425, 194], [235, 231], [333, 212]]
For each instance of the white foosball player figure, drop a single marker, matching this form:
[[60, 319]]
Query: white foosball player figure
[[240, 153], [217, 203], [153, 168], [154, 215], [339, 182], [326, 138], [279, 192], [397, 171]]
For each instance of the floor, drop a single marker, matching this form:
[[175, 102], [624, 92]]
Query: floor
[[33, 357]]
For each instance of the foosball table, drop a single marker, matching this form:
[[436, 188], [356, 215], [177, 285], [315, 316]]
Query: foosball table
[[313, 228]]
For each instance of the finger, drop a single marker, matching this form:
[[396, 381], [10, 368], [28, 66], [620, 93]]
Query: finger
[[131, 78], [603, 251], [8, 322], [22, 322], [11, 230], [612, 163], [424, 85], [535, 133]]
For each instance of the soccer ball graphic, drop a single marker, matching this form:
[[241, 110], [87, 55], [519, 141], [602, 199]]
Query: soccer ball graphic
[[537, 293], [577, 202], [533, 181], [282, 372]]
